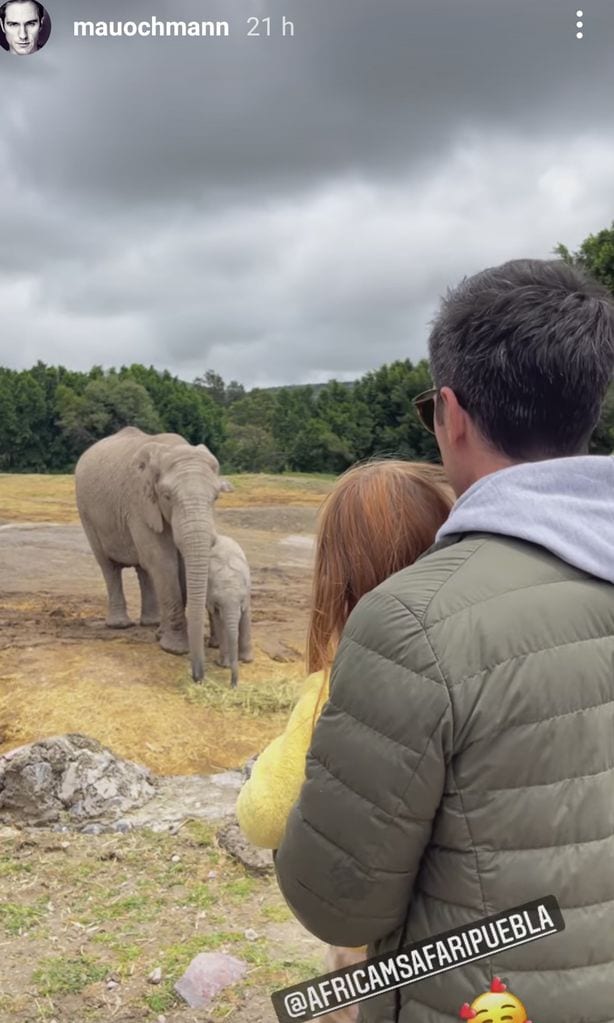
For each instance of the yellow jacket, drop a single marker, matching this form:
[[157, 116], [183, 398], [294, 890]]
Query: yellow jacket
[[275, 783]]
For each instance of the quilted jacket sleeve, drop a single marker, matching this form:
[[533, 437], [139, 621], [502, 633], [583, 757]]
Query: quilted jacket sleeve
[[374, 780]]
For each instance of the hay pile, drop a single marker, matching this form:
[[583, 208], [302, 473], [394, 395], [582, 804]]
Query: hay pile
[[142, 703]]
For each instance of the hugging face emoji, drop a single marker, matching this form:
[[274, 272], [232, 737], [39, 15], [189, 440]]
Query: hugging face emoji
[[495, 1006]]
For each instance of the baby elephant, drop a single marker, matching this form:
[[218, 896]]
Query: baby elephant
[[228, 604]]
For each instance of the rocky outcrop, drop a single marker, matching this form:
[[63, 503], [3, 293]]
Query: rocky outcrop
[[71, 779], [72, 782]]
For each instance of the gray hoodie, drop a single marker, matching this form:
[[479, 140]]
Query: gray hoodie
[[565, 505]]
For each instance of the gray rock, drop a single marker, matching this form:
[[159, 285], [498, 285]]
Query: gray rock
[[91, 829], [181, 797], [248, 767], [207, 975], [69, 778], [231, 838], [71, 782]]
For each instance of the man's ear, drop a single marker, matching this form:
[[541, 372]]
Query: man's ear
[[450, 414]]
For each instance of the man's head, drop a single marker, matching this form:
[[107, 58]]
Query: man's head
[[522, 355], [21, 22]]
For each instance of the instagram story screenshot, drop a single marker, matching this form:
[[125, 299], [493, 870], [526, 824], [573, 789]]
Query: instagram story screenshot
[[306, 511]]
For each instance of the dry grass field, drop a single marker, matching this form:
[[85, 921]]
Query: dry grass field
[[84, 919], [61, 670], [29, 498]]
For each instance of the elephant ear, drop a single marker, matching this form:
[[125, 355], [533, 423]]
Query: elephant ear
[[147, 469], [209, 456]]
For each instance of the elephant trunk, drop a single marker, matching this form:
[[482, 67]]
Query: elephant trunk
[[231, 620], [195, 547]]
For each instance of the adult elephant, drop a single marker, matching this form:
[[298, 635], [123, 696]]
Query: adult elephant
[[147, 502]]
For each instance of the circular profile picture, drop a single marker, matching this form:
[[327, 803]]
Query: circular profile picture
[[25, 26]]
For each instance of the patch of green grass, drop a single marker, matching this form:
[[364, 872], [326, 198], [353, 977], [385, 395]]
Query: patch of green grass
[[125, 953], [172, 875], [155, 841], [81, 871], [16, 919], [275, 696], [11, 868], [161, 1000], [201, 834], [141, 907], [201, 896], [278, 914], [271, 973], [241, 888], [176, 958], [255, 953], [57, 975]]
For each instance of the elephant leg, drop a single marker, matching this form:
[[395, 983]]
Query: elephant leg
[[213, 640], [221, 633], [117, 613], [150, 612], [245, 636], [172, 633]]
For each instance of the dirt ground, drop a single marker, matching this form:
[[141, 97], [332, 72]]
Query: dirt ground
[[62, 670], [85, 919]]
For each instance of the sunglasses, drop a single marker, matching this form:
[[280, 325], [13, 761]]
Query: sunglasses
[[424, 405]]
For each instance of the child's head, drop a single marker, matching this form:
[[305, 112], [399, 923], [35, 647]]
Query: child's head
[[380, 517]]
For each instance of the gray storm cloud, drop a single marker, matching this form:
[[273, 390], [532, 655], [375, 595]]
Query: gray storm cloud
[[290, 209]]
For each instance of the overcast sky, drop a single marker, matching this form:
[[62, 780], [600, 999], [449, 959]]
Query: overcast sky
[[287, 210]]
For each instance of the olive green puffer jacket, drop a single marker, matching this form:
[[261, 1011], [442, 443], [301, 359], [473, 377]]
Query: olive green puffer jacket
[[464, 765]]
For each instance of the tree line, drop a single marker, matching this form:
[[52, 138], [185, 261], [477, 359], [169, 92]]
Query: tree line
[[49, 415]]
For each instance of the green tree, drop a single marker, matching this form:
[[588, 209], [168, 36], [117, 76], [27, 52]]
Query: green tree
[[106, 405], [347, 418], [182, 407], [9, 425], [317, 449], [29, 450], [213, 386], [396, 430], [596, 255], [602, 441], [294, 407], [256, 408], [250, 449]]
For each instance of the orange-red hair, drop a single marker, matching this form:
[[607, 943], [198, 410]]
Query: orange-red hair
[[380, 517]]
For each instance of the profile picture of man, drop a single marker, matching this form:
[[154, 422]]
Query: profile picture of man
[[25, 26]]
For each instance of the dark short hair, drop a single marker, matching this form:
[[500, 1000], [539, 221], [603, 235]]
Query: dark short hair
[[39, 7], [528, 349]]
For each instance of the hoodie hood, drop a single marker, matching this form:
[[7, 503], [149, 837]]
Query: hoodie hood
[[565, 505]]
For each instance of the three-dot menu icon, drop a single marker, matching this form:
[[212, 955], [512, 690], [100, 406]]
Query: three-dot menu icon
[[579, 24]]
